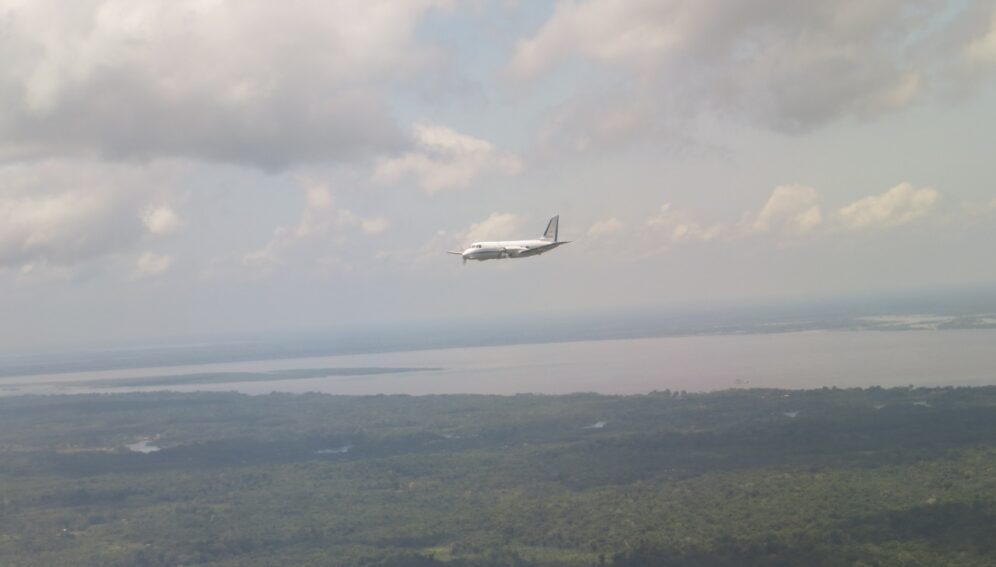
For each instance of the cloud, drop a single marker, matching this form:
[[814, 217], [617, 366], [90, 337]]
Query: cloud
[[677, 226], [498, 226], [161, 220], [789, 66], [602, 120], [320, 218], [602, 30], [445, 159], [983, 49], [972, 213], [375, 225], [59, 213], [248, 81], [432, 250], [792, 209], [44, 272], [151, 264], [604, 228], [61, 228], [897, 206], [320, 213]]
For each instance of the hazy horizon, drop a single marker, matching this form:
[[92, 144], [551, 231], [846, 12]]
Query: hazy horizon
[[935, 310], [630, 366]]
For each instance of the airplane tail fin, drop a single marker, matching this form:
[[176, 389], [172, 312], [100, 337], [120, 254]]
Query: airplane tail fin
[[551, 229]]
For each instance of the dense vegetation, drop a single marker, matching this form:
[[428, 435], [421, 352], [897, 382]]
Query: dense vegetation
[[743, 477]]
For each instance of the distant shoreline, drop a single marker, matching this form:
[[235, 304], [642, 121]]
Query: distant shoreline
[[95, 360], [698, 363]]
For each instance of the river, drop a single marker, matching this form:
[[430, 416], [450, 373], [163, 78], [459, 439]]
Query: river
[[693, 363]]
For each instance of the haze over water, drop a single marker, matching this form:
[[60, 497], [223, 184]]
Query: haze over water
[[694, 363]]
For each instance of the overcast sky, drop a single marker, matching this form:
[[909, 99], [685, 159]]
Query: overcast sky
[[189, 167]]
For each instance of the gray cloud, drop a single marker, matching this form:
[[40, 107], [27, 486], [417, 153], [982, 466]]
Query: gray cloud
[[446, 159], [62, 213], [247, 82], [790, 66]]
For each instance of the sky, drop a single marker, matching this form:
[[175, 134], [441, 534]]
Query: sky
[[201, 167]]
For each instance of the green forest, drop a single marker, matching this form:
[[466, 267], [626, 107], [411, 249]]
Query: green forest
[[858, 477]]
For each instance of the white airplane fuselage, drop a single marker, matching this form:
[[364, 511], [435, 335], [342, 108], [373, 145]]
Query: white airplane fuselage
[[508, 249], [501, 249]]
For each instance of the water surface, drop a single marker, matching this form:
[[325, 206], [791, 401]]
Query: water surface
[[695, 364]]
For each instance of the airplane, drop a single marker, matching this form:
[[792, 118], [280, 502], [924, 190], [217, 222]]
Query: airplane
[[514, 248]]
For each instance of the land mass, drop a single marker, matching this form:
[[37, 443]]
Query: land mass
[[742, 477]]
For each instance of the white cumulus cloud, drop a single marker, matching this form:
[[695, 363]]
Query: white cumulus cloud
[[446, 159], [983, 49], [606, 227], [375, 225], [160, 220], [150, 264], [792, 209], [59, 213], [320, 218], [677, 226], [897, 206], [498, 226]]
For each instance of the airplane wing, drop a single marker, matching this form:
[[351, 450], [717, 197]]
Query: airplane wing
[[452, 252], [541, 249], [514, 251]]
